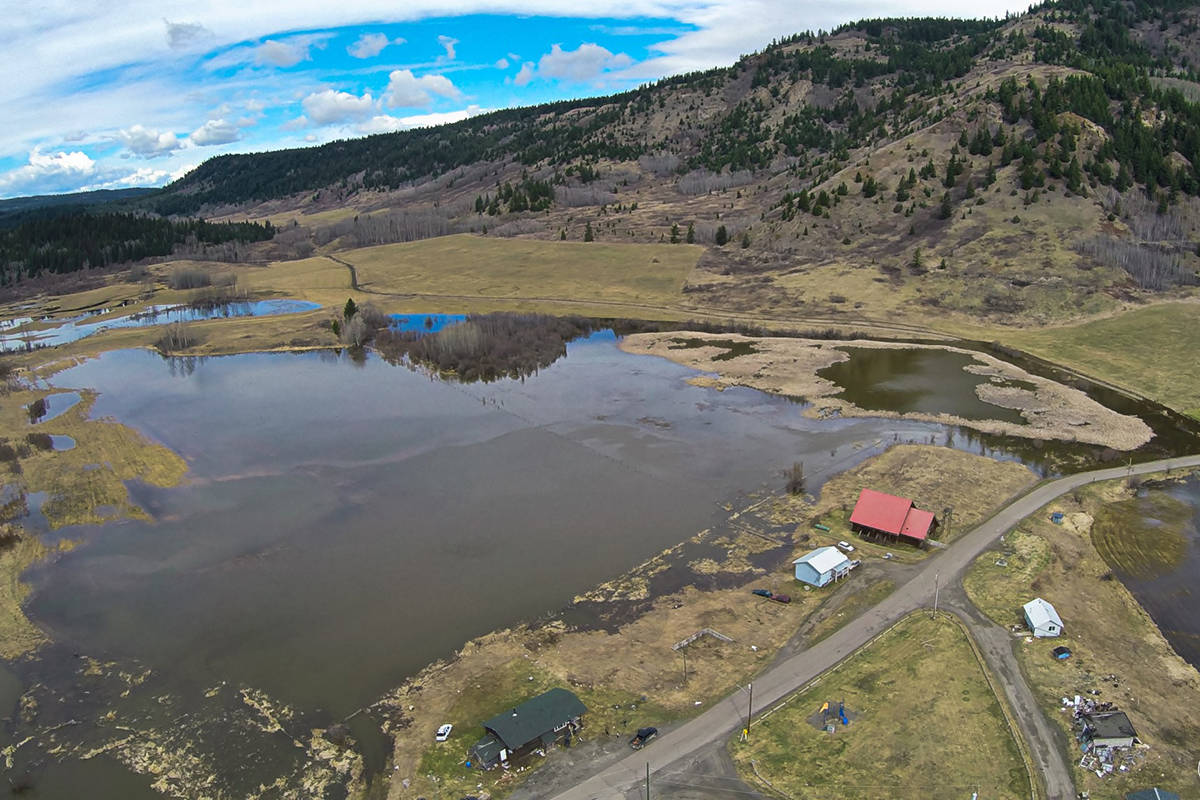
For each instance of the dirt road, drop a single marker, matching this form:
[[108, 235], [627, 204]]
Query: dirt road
[[946, 568]]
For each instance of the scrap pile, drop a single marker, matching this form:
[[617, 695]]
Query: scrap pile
[[1105, 735]]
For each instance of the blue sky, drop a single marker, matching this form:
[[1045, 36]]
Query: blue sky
[[135, 93]]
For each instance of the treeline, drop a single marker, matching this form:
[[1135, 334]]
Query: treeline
[[75, 239]]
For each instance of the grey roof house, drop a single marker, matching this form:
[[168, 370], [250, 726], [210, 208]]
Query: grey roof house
[[536, 724], [1108, 729]]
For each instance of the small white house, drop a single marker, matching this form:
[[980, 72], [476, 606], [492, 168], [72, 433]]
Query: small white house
[[822, 566], [1042, 619]]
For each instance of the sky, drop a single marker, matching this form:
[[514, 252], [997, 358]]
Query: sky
[[109, 95]]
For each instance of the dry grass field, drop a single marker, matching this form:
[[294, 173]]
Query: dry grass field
[[903, 740]]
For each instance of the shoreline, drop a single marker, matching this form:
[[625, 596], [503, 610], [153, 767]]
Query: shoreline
[[789, 367]]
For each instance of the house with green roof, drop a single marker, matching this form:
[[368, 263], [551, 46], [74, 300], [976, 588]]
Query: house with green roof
[[536, 724]]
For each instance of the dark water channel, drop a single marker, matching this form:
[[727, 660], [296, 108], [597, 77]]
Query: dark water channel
[[346, 522]]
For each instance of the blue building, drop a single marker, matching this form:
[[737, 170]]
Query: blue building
[[822, 566]]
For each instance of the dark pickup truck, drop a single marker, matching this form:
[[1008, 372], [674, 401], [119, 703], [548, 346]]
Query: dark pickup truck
[[643, 735]]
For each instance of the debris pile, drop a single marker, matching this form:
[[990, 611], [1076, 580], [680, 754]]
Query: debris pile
[[1105, 735]]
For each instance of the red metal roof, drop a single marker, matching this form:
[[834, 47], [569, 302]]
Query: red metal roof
[[917, 524], [883, 512]]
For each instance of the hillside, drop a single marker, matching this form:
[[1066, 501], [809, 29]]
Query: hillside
[[1030, 170]]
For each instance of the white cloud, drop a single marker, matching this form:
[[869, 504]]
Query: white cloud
[[215, 131], [370, 45], [385, 123], [525, 74], [586, 63], [329, 106], [502, 63], [148, 143], [181, 35], [47, 172], [282, 54], [295, 124], [448, 43], [405, 90]]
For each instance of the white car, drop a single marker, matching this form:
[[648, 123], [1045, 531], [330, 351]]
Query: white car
[[443, 733], [845, 546]]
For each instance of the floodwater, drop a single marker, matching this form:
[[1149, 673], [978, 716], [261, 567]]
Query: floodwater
[[76, 328], [346, 522], [916, 380], [52, 405], [1169, 591]]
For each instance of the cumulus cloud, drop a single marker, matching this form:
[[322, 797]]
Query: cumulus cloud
[[370, 45], [405, 90], [586, 63], [502, 63], [181, 35], [48, 171], [448, 43], [525, 74], [148, 143], [329, 106], [215, 131], [386, 123]]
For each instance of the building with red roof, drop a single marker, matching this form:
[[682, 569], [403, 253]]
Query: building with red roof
[[880, 514]]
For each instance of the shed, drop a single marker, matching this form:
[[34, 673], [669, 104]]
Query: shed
[[880, 514], [537, 723], [1042, 619], [822, 566], [1108, 729], [1152, 794]]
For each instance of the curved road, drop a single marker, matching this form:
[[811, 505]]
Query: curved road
[[787, 676]]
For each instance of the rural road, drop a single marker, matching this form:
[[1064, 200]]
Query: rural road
[[947, 566]]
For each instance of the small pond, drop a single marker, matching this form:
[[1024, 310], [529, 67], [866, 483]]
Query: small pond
[[915, 380], [426, 323], [76, 328]]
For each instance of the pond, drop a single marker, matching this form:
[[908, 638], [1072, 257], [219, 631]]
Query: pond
[[346, 521], [916, 380], [51, 406], [76, 328]]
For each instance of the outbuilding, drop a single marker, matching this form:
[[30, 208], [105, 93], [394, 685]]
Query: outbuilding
[[1108, 729], [536, 724], [878, 514], [822, 566], [1042, 619]]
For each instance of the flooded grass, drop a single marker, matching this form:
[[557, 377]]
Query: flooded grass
[[733, 349], [1143, 537]]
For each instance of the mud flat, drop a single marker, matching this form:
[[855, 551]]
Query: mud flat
[[794, 367]]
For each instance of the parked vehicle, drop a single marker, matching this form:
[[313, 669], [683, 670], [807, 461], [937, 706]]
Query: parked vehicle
[[854, 564], [643, 735], [443, 733], [781, 598], [761, 592], [845, 546]]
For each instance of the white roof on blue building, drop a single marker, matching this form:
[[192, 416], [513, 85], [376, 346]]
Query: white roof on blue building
[[823, 559], [1040, 613]]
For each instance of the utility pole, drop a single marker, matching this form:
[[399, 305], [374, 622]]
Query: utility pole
[[647, 780], [683, 652], [936, 576], [749, 710], [948, 512]]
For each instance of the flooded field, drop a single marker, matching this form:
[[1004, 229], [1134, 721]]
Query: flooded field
[[1152, 542], [347, 521], [26, 333]]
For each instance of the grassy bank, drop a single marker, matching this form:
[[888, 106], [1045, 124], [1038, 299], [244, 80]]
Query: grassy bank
[[905, 739], [1143, 351], [1108, 632]]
